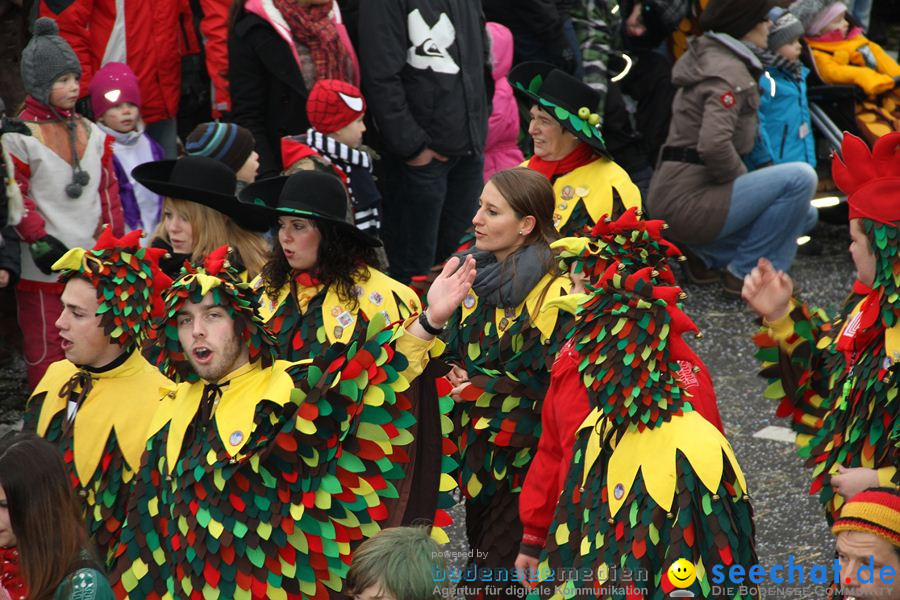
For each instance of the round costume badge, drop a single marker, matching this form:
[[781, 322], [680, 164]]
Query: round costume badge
[[619, 491], [469, 301], [337, 310], [338, 331], [236, 438], [583, 191], [562, 206], [568, 192]]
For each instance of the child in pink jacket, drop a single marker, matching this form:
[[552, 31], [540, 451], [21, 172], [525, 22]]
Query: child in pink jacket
[[501, 150]]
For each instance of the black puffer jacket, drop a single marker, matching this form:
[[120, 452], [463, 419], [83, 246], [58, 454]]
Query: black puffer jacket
[[424, 69]]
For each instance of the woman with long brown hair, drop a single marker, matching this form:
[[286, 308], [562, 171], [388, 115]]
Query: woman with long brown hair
[[40, 516], [502, 342]]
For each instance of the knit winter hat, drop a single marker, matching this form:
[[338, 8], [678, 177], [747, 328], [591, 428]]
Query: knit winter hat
[[787, 28], [225, 142], [734, 17], [113, 84], [876, 511], [816, 14], [46, 57], [334, 104]]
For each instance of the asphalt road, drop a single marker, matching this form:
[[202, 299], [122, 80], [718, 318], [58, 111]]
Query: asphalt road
[[788, 521]]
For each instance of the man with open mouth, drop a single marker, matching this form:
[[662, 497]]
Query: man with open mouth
[[260, 475], [97, 403]]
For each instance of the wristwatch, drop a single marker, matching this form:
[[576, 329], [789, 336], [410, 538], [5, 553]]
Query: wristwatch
[[423, 321]]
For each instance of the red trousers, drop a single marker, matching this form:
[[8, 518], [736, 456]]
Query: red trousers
[[38, 306]]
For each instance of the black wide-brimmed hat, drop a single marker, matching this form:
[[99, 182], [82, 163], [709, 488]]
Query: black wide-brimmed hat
[[202, 180], [568, 100], [305, 194]]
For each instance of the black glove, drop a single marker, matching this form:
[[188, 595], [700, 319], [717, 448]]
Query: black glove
[[47, 251]]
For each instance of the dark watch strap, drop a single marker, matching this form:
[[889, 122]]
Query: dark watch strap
[[423, 321]]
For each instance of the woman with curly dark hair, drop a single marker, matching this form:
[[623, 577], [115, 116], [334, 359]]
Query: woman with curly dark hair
[[322, 271]]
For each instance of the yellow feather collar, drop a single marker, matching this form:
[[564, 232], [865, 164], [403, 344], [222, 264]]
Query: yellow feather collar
[[544, 320], [375, 294], [234, 415], [653, 452], [592, 185], [122, 399]]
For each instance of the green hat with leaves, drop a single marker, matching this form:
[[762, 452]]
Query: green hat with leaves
[[568, 100]]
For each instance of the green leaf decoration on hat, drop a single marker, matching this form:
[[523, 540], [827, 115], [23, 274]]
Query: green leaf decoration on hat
[[534, 86]]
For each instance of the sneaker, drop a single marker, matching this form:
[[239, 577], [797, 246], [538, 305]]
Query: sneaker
[[696, 271], [732, 285]]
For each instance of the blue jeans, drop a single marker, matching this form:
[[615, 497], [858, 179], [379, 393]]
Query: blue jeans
[[165, 134], [769, 210], [427, 210]]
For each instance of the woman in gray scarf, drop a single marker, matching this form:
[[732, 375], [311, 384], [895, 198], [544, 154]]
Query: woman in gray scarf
[[502, 346]]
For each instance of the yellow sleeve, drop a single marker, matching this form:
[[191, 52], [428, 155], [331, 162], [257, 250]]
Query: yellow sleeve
[[872, 82], [416, 350], [782, 329], [886, 64], [886, 476]]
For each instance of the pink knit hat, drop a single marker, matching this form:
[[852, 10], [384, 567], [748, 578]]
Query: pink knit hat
[[113, 84], [826, 16]]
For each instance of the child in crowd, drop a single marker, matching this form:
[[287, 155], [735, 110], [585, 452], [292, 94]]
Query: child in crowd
[[785, 133], [227, 143], [844, 55], [501, 148], [838, 378], [399, 563], [869, 530], [335, 110], [65, 173], [116, 101]]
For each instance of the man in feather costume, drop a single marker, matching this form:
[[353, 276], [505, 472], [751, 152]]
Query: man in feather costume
[[96, 404], [837, 378], [651, 479], [260, 476]]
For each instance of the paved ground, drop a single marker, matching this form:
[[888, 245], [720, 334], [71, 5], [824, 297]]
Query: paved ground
[[787, 520]]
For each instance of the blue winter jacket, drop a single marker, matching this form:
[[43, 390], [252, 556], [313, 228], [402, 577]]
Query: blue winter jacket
[[785, 128]]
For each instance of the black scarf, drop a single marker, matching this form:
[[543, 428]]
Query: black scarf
[[506, 284], [774, 60]]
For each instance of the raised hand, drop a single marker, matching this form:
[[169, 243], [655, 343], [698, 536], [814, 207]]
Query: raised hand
[[449, 289], [768, 291], [849, 482]]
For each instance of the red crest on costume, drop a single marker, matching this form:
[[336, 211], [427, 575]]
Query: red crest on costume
[[871, 180]]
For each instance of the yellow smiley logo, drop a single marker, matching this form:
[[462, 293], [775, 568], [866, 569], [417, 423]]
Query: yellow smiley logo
[[682, 573]]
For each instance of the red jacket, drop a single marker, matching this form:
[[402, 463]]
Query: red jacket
[[214, 29], [565, 408], [146, 38]]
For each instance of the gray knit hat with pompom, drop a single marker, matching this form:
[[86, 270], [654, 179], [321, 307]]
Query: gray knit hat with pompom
[[46, 57]]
